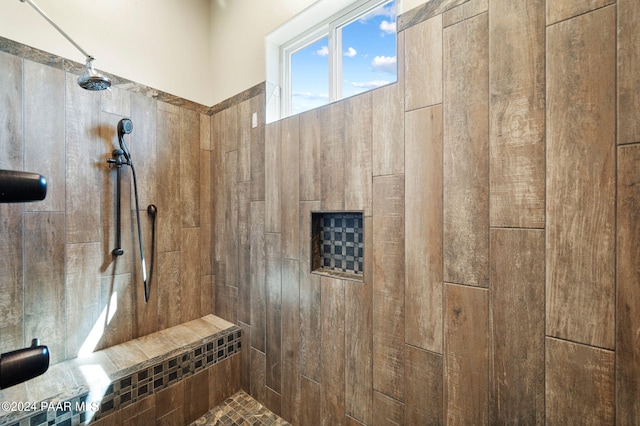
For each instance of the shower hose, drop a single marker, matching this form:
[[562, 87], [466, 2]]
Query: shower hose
[[151, 210]]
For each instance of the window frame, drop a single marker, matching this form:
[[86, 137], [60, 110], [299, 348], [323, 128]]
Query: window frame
[[285, 41]]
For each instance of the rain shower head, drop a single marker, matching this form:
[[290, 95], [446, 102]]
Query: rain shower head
[[91, 79]]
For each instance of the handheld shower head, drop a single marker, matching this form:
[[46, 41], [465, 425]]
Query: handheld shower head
[[91, 79], [125, 126]]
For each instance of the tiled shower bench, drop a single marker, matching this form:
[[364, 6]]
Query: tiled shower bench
[[173, 376]]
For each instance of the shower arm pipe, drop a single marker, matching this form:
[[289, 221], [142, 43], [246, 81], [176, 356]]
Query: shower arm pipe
[[45, 16]]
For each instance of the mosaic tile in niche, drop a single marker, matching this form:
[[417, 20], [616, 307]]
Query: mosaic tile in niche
[[337, 244]]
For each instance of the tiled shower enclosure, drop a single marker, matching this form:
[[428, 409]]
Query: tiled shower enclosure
[[498, 182]]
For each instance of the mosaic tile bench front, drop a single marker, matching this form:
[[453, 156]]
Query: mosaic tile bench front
[[98, 398]]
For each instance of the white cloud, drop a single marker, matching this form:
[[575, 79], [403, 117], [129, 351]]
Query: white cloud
[[388, 11], [351, 52], [388, 27], [309, 95], [304, 101], [323, 51], [384, 63], [370, 84]]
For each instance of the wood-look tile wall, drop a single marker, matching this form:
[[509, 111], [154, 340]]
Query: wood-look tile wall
[[58, 279], [499, 184]]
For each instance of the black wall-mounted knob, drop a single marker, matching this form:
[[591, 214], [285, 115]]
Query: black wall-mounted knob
[[23, 364], [21, 187]]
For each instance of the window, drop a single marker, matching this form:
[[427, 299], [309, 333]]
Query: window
[[309, 77], [351, 51]]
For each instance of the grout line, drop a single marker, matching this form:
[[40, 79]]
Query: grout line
[[546, 201], [515, 228], [615, 213], [490, 341], [23, 210], [586, 12]]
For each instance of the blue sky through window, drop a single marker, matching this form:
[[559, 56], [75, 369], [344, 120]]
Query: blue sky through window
[[369, 51], [368, 60], [310, 77]]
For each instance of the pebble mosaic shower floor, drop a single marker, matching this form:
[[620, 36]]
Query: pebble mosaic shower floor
[[240, 409]]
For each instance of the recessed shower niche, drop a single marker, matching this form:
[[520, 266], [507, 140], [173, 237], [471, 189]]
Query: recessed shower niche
[[337, 244]]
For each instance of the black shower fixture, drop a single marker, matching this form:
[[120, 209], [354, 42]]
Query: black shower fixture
[[90, 79], [17, 186], [125, 127], [122, 157], [24, 364]]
